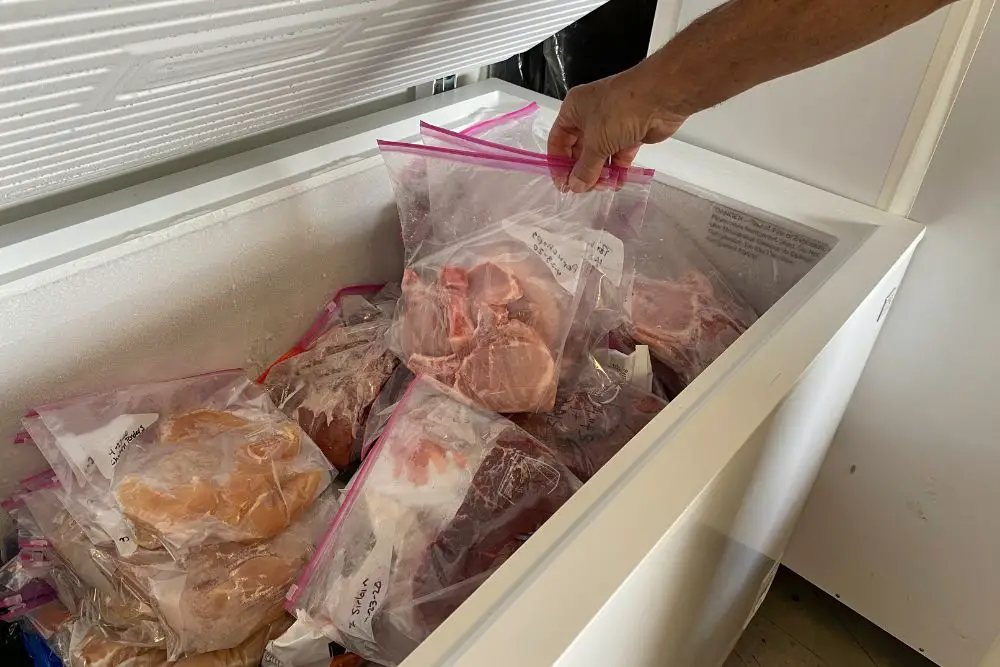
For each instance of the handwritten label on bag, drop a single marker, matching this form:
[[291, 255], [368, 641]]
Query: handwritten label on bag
[[368, 590], [105, 445], [563, 255], [607, 253]]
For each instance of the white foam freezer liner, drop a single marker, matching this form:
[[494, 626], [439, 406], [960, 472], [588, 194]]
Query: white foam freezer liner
[[662, 556]]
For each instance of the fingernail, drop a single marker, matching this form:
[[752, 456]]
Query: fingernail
[[576, 185]]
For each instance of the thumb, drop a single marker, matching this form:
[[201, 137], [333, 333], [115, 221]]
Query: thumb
[[587, 169]]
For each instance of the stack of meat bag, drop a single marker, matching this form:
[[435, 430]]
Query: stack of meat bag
[[178, 515]]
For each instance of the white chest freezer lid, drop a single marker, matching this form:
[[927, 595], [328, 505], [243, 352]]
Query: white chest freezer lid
[[94, 88]]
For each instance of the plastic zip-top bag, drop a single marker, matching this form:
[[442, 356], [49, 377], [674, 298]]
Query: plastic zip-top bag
[[195, 461], [521, 128], [446, 496], [681, 306], [596, 416], [328, 385], [443, 193], [217, 596], [490, 296], [89, 647], [605, 303]]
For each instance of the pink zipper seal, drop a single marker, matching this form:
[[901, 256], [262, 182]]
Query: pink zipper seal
[[510, 116]]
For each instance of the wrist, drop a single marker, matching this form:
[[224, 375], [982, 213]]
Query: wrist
[[669, 88]]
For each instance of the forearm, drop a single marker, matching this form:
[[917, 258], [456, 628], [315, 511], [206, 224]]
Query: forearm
[[746, 42]]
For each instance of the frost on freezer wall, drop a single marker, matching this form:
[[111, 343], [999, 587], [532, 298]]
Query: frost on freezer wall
[[836, 126]]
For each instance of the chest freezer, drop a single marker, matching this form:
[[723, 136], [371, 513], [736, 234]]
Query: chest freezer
[[659, 559]]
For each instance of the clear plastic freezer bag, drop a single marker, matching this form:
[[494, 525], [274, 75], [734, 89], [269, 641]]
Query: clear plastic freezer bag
[[596, 416], [604, 304], [187, 462], [330, 379], [681, 306], [492, 293], [521, 128], [446, 496], [217, 596], [444, 194]]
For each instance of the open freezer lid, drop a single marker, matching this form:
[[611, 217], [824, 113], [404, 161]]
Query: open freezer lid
[[95, 88]]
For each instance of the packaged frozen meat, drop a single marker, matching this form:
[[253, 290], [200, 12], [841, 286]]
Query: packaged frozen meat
[[68, 539], [681, 306], [491, 293], [584, 433], [215, 597], [187, 462], [48, 618], [604, 302], [330, 382], [301, 645], [447, 494], [90, 648], [382, 407]]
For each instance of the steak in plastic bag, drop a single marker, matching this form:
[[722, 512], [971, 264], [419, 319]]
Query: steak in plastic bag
[[444, 498], [604, 301], [595, 417], [330, 384]]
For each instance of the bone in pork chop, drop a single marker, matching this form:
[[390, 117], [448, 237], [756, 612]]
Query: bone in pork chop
[[684, 323], [481, 332]]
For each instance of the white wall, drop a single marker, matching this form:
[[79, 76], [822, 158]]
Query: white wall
[[839, 137], [904, 521]]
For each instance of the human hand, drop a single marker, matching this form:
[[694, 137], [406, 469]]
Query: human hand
[[609, 119]]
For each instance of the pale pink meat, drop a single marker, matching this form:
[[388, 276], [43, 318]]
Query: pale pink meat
[[482, 332], [685, 325], [426, 316], [510, 370], [493, 285]]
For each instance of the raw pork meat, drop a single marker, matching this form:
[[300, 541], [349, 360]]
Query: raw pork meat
[[684, 323], [481, 332]]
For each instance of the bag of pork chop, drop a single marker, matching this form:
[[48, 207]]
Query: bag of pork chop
[[490, 294], [605, 300]]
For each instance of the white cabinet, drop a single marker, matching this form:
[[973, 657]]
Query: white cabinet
[[661, 557]]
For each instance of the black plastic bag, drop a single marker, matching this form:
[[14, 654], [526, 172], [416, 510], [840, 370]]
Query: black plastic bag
[[609, 40]]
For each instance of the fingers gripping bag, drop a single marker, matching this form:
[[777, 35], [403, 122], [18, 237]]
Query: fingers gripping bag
[[187, 462], [604, 302], [443, 193], [681, 306], [329, 385], [447, 494]]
